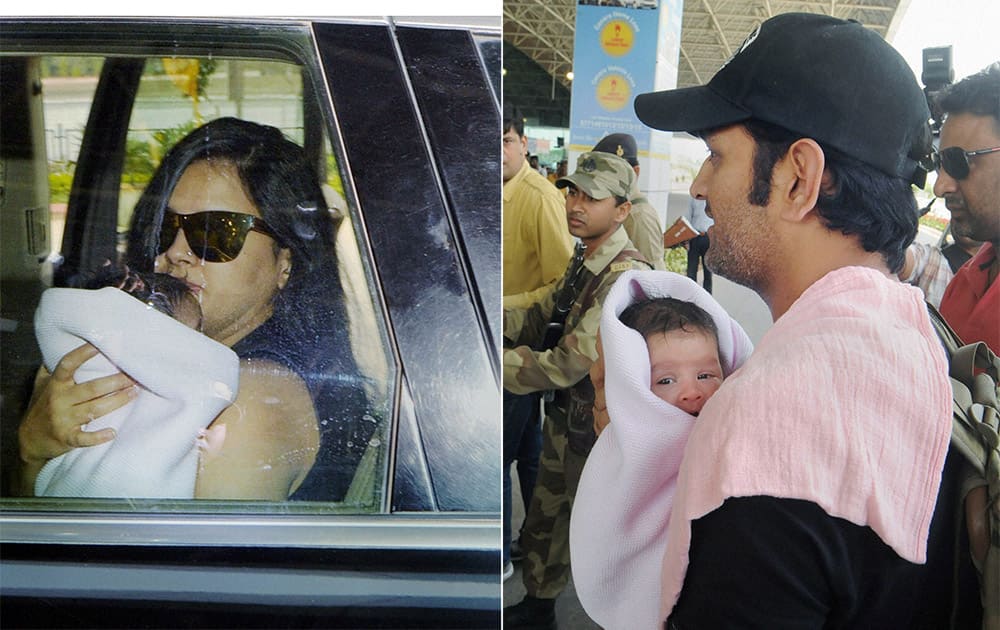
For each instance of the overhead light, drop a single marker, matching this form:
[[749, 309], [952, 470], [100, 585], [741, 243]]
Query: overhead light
[[569, 75], [503, 71]]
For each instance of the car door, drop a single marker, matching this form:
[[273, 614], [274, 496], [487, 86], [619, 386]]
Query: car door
[[400, 120]]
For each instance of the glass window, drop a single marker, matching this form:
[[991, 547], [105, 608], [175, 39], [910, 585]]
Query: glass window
[[317, 374]]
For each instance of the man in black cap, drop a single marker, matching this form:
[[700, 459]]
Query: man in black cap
[[806, 496], [643, 224]]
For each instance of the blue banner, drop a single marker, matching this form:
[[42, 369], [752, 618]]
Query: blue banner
[[614, 59]]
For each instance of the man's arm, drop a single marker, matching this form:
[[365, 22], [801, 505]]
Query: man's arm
[[525, 326], [526, 370]]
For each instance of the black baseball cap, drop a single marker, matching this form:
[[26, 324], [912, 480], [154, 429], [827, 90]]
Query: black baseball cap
[[621, 144], [831, 80]]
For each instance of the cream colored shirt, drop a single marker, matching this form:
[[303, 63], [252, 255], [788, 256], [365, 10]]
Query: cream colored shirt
[[644, 230]]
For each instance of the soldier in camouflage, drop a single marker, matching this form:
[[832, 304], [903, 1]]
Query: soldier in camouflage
[[597, 204], [643, 223]]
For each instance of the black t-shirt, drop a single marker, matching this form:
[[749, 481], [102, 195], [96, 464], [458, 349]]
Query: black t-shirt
[[763, 562]]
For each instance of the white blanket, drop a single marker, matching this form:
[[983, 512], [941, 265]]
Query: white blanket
[[185, 381], [618, 524]]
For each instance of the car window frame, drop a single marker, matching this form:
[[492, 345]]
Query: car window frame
[[21, 519]]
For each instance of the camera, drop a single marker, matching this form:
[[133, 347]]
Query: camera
[[938, 73]]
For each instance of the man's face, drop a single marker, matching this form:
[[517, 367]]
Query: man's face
[[738, 242], [592, 219], [514, 147], [974, 201]]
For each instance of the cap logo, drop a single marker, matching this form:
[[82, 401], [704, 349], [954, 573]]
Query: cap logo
[[588, 165], [620, 152], [751, 38]]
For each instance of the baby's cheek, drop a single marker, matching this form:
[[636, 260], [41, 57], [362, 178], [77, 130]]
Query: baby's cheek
[[713, 387]]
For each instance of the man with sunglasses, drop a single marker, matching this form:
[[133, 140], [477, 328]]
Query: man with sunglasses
[[968, 166]]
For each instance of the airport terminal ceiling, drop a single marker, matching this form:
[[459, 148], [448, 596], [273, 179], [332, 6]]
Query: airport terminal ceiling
[[542, 31]]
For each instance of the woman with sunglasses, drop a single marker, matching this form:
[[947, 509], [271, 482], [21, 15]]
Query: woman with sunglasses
[[236, 211]]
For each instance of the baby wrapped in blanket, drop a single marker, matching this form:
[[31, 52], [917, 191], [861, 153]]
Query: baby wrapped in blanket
[[655, 385], [185, 380]]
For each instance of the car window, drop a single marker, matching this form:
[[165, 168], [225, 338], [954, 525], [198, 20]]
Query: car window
[[397, 117], [76, 210]]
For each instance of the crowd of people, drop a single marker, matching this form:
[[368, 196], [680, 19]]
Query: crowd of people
[[690, 480]]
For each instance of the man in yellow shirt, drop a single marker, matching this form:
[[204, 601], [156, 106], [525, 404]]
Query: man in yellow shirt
[[536, 250], [536, 242]]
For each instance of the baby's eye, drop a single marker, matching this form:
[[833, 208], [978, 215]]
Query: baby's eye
[[706, 375], [667, 380]]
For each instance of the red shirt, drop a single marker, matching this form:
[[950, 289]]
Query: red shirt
[[969, 306]]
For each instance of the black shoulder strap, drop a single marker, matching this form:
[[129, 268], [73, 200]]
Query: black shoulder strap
[[564, 298]]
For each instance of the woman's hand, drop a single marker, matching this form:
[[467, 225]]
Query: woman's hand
[[60, 408]]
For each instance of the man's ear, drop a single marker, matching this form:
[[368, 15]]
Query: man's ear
[[284, 267], [798, 179], [621, 211]]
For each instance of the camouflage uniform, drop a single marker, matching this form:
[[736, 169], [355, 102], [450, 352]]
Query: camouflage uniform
[[568, 428], [642, 224]]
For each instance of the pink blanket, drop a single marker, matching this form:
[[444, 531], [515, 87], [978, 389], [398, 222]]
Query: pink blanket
[[618, 524]]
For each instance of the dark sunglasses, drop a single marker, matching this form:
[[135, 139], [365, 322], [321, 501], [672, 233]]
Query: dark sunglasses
[[215, 235], [955, 160]]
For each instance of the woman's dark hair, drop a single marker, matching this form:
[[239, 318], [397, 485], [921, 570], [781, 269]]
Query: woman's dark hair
[[879, 208], [666, 314]]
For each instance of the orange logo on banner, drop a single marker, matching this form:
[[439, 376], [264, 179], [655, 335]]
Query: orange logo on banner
[[613, 92], [617, 38]]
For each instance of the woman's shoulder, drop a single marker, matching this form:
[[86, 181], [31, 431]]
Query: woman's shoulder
[[271, 384], [272, 422]]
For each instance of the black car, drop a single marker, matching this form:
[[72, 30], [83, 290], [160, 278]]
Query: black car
[[400, 119]]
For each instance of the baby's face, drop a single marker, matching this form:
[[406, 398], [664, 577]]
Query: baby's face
[[188, 312], [685, 368]]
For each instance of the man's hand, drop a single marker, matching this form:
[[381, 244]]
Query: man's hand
[[601, 417]]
